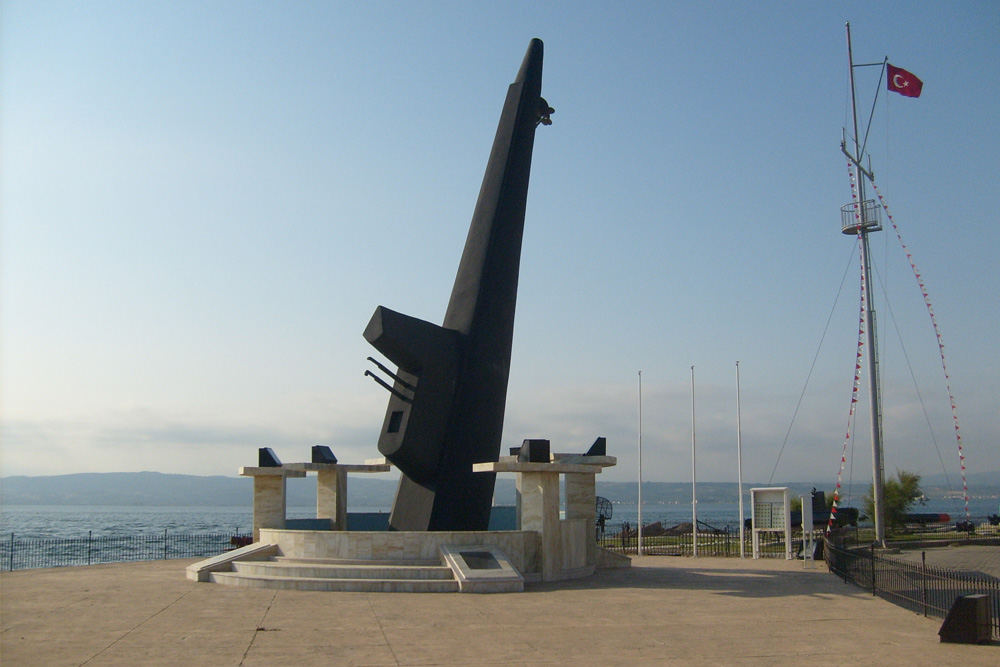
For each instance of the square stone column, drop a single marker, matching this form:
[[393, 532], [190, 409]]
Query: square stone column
[[581, 496], [581, 503], [538, 500], [268, 496], [331, 497], [268, 503], [331, 487], [517, 502], [540, 513]]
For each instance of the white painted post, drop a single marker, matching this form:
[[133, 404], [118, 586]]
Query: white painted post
[[739, 461], [639, 549], [694, 480]]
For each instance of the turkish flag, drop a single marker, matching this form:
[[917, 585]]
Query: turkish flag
[[903, 82]]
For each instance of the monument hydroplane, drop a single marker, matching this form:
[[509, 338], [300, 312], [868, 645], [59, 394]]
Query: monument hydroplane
[[447, 396]]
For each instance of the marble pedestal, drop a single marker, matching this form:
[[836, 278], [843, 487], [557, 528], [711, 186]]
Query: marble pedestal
[[568, 548], [331, 492], [268, 496], [331, 488]]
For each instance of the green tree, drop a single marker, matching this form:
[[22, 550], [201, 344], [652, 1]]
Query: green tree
[[900, 494], [796, 504]]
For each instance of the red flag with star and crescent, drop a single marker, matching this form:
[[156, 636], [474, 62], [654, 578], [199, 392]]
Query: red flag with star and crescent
[[903, 82]]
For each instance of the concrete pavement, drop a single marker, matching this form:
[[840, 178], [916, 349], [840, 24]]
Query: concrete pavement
[[664, 610], [966, 557]]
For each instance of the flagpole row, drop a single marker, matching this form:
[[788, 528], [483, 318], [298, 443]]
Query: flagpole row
[[694, 480], [639, 504], [739, 459]]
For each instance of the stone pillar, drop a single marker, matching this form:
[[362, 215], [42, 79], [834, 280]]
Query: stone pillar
[[331, 497], [568, 548], [268, 502], [540, 513], [581, 502], [268, 496], [581, 496], [331, 487], [517, 502]]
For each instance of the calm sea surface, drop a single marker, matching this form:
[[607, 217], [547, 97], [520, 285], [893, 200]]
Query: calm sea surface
[[46, 521], [41, 521]]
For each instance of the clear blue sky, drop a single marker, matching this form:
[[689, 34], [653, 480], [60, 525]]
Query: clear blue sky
[[203, 203]]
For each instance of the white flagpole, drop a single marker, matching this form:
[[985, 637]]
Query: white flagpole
[[739, 457], [639, 550], [694, 477]]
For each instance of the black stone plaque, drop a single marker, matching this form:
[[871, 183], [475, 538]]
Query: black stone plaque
[[323, 454], [266, 458], [480, 560], [535, 451]]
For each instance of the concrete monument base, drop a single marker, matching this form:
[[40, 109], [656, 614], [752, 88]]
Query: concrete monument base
[[545, 548]]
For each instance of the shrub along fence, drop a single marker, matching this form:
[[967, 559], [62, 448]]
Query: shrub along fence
[[21, 554], [921, 588]]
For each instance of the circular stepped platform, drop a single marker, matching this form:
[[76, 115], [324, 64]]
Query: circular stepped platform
[[314, 574]]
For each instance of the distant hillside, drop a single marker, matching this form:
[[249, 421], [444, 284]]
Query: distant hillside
[[159, 489]]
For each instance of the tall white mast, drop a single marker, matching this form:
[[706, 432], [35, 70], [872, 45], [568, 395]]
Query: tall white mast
[[739, 458], [639, 534], [867, 221], [694, 480]]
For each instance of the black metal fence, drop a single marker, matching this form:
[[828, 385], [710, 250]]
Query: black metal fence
[[921, 588], [22, 554], [909, 537], [725, 542], [623, 538]]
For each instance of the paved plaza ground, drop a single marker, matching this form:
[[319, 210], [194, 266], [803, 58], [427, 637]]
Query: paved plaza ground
[[664, 610], [967, 558]]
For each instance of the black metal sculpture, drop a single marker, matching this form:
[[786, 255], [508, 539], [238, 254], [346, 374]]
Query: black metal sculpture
[[447, 398]]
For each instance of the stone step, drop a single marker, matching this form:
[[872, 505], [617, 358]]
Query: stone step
[[329, 584], [427, 562], [328, 570]]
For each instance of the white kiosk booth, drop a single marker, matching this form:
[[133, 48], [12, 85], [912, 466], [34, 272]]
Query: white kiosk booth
[[772, 513]]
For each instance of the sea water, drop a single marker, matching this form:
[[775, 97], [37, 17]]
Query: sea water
[[54, 521], [58, 521]]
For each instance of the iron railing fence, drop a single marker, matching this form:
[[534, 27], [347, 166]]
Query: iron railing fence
[[23, 554], [976, 532], [922, 588], [623, 538], [20, 553]]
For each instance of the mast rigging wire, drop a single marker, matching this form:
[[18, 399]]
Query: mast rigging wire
[[913, 377], [826, 328], [862, 323], [878, 88], [940, 341]]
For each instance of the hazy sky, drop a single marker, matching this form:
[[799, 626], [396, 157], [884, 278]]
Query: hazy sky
[[204, 202]]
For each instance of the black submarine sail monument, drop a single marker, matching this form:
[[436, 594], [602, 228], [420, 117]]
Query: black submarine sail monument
[[860, 218], [447, 396]]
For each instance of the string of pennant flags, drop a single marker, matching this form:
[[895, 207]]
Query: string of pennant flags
[[861, 340], [940, 342], [857, 363]]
